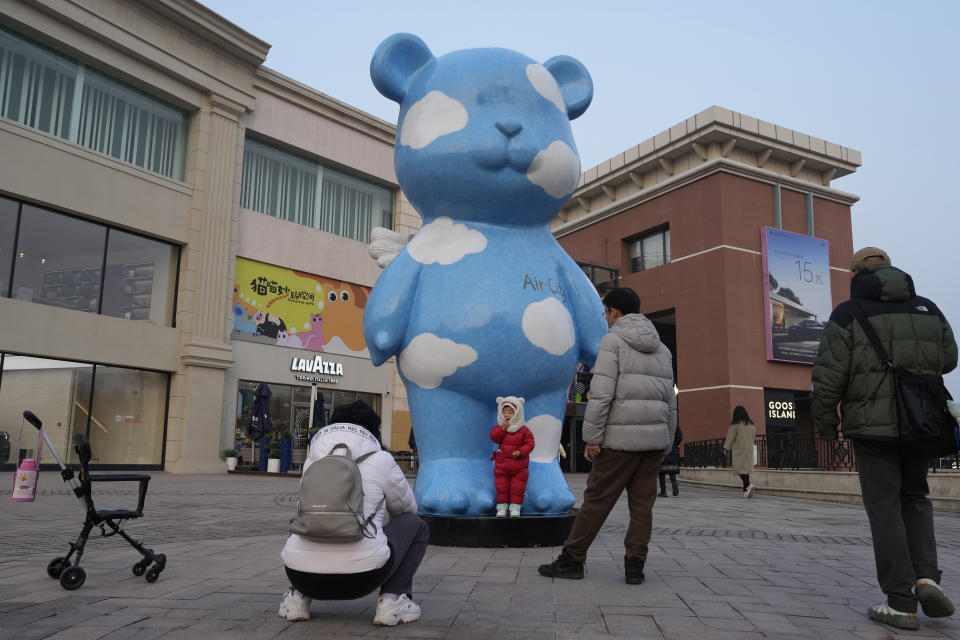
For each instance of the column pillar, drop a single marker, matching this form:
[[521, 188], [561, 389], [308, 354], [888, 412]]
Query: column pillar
[[206, 286]]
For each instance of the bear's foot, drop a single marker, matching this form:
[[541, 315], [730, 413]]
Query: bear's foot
[[547, 491], [455, 487]]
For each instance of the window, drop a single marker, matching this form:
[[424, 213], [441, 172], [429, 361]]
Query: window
[[602, 277], [126, 423], [8, 238], [59, 260], [650, 250], [140, 278], [122, 411], [68, 99], [291, 188]]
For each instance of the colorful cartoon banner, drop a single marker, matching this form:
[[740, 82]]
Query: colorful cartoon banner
[[796, 285], [287, 308]]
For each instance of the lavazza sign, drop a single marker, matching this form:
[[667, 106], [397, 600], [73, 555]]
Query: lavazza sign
[[316, 365]]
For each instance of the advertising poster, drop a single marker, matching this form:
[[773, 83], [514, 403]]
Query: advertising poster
[[287, 308], [796, 284]]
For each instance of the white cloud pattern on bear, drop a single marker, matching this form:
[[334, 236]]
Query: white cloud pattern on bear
[[435, 114], [545, 84], [428, 359], [556, 169], [444, 242], [547, 324]]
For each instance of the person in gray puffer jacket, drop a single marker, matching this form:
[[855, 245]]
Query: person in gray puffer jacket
[[628, 428]]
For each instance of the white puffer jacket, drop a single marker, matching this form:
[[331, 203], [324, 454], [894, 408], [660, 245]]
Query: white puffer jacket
[[382, 478], [632, 405]]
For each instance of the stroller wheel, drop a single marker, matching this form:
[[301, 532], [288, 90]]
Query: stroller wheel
[[140, 567], [56, 567], [72, 578], [153, 574]]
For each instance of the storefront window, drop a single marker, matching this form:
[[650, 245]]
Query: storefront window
[[56, 390], [8, 235], [140, 278], [126, 424], [290, 410], [59, 260], [122, 411]]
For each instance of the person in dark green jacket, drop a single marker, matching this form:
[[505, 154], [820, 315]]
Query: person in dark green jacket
[[848, 375]]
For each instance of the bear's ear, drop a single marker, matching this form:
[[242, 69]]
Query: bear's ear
[[522, 401], [499, 399], [395, 61], [575, 83]]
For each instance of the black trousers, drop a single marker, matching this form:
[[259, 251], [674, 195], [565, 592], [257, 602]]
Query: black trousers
[[407, 535], [893, 480]]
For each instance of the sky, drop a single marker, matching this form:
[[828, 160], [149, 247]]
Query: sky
[[880, 77]]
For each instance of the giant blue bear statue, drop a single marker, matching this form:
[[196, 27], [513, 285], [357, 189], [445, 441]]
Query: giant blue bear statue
[[483, 302]]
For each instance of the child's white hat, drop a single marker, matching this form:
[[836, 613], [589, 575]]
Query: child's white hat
[[517, 403]]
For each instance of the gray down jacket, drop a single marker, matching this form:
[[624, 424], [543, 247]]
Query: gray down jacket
[[632, 404]]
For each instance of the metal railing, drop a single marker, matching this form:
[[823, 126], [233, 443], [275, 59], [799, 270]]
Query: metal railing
[[791, 451]]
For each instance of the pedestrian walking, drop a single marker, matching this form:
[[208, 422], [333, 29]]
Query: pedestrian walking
[[740, 437], [628, 427], [386, 556], [848, 374], [671, 466]]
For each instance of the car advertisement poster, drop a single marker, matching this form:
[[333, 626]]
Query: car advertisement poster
[[796, 285]]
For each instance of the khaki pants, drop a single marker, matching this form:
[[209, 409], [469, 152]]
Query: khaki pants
[[612, 472]]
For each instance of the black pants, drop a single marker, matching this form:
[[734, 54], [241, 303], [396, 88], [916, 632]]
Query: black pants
[[663, 481], [893, 480], [745, 479], [408, 537]]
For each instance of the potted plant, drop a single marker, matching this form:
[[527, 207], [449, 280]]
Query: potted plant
[[273, 454], [230, 455]]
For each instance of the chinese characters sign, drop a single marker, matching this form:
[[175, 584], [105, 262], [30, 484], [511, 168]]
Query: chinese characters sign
[[797, 302], [287, 308]]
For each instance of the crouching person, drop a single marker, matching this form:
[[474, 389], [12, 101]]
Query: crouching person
[[333, 554]]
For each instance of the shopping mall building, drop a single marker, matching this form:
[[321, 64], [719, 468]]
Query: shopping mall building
[[181, 226]]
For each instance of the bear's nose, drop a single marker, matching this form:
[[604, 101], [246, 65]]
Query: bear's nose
[[509, 128]]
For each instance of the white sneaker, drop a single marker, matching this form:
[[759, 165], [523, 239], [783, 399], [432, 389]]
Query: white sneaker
[[749, 492], [502, 510], [391, 612], [294, 606], [514, 510]]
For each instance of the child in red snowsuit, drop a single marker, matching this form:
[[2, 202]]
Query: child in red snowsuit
[[512, 456]]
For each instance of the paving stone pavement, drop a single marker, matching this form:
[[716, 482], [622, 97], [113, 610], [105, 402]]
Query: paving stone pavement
[[720, 566]]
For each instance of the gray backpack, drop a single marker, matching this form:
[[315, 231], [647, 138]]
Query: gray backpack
[[330, 504]]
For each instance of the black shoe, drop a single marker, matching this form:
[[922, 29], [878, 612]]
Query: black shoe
[[563, 567], [633, 569], [676, 490], [663, 494]]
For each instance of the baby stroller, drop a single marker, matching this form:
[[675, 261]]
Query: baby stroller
[[71, 575]]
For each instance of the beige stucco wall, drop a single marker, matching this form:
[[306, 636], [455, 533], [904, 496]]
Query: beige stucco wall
[[299, 125], [296, 247], [77, 180]]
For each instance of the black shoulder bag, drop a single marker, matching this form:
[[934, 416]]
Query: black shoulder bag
[[924, 422]]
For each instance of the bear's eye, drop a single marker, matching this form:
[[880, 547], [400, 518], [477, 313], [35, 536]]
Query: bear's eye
[[345, 295], [332, 296]]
